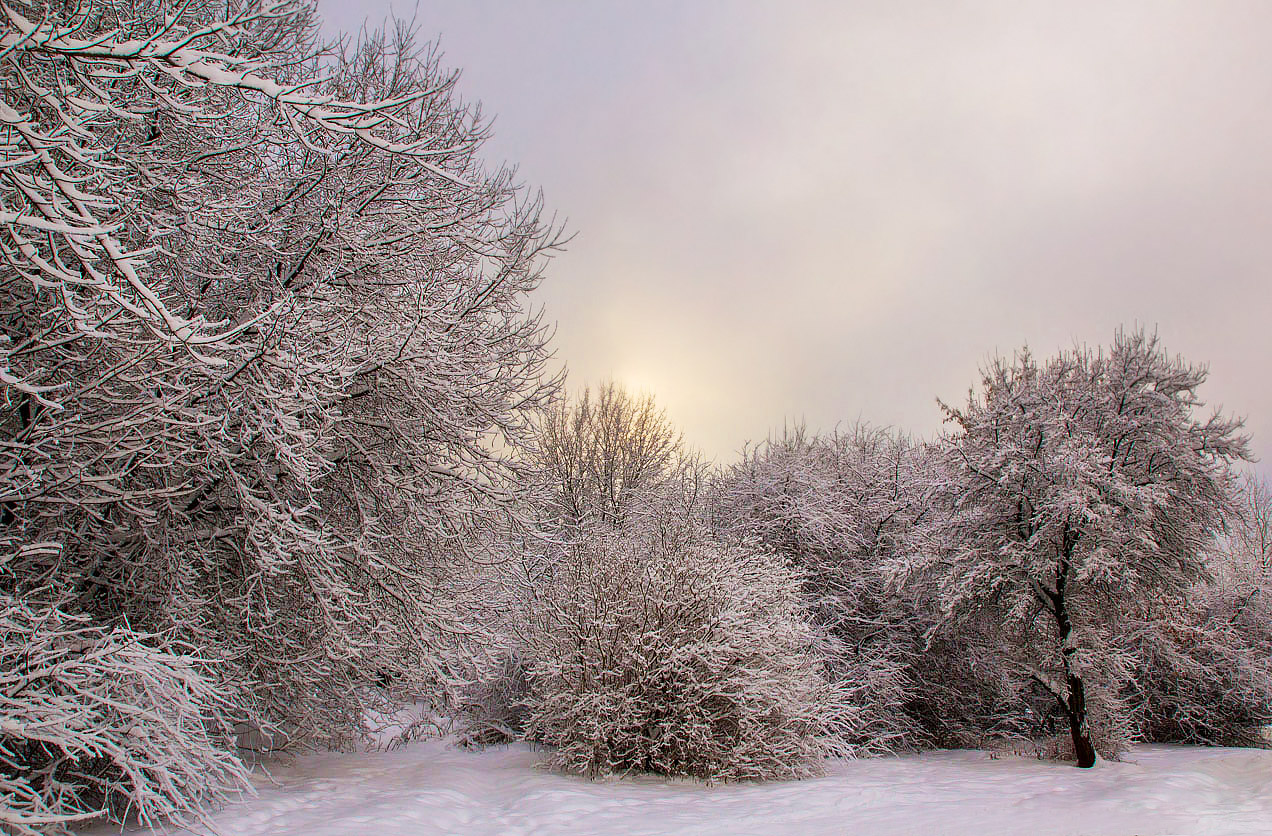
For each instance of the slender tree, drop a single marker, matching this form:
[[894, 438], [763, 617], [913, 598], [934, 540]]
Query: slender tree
[[1252, 533], [610, 456]]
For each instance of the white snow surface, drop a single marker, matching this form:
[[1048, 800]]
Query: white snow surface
[[430, 788]]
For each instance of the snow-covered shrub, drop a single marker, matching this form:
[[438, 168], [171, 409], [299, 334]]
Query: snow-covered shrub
[[99, 722], [678, 658]]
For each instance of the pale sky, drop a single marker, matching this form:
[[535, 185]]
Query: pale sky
[[832, 211]]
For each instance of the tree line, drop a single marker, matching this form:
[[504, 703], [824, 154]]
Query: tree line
[[1074, 566]]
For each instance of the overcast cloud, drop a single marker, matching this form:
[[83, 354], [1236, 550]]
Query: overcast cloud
[[838, 210]]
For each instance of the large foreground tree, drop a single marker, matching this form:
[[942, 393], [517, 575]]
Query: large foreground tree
[[266, 350], [1086, 491]]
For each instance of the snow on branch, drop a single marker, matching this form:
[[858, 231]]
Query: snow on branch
[[98, 723]]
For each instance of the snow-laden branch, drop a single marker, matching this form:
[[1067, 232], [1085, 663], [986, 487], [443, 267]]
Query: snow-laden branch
[[193, 67], [96, 722]]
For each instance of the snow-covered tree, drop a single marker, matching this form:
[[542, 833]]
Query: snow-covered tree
[[840, 507], [1086, 492], [266, 348], [1251, 534]]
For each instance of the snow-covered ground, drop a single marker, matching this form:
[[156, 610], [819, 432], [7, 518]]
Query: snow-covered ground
[[428, 788]]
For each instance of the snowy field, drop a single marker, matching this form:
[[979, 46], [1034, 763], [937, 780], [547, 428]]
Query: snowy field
[[428, 788]]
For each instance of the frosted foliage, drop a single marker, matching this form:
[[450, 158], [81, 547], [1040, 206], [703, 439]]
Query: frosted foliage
[[266, 347], [96, 721], [1203, 674], [1248, 541], [491, 707], [839, 506], [1204, 667], [1085, 493], [679, 659]]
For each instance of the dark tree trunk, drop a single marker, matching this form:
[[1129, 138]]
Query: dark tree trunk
[[1075, 707], [1082, 748]]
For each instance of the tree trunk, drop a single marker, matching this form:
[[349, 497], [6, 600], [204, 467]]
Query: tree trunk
[[1082, 748], [1075, 708]]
